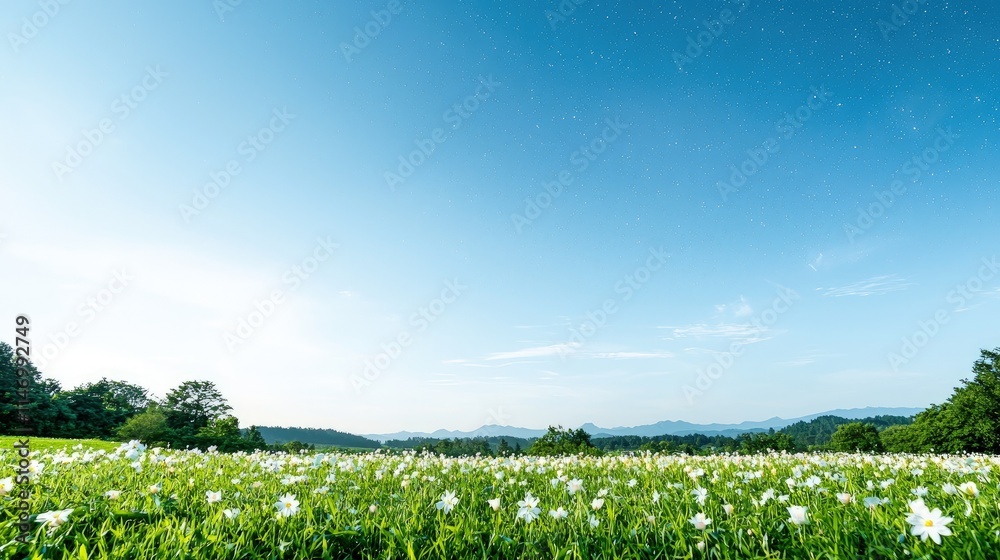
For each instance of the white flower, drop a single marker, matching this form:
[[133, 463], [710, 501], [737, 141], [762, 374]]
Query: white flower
[[969, 489], [54, 518], [321, 490], [528, 508], [656, 497], [559, 513], [230, 513], [919, 491], [632, 483], [448, 502], [929, 524], [700, 494], [112, 494], [728, 508], [287, 505], [574, 486], [918, 507], [872, 502], [798, 515], [949, 489], [845, 498], [597, 503], [594, 522], [767, 495], [700, 522], [155, 489], [6, 485], [373, 508], [494, 503], [213, 497], [602, 492]]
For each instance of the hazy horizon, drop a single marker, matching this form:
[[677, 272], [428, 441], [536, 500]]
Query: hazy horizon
[[527, 214]]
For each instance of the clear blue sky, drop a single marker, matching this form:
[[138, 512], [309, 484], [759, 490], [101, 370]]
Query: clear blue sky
[[643, 126]]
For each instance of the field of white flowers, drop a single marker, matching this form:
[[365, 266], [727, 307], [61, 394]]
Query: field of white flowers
[[135, 503]]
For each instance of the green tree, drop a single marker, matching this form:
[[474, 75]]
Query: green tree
[[558, 441], [856, 436], [149, 427], [193, 404], [969, 421], [224, 433], [504, 448], [763, 442], [99, 408], [900, 439], [46, 415], [254, 439]]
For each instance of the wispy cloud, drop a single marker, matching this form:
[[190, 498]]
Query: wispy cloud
[[740, 308], [744, 333], [632, 355], [535, 352], [871, 287]]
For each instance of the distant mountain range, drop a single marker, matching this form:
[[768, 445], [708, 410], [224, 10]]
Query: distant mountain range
[[666, 427]]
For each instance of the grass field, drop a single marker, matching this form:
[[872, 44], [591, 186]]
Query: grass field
[[147, 503], [50, 444]]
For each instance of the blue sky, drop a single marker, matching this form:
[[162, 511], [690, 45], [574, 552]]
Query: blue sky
[[237, 219]]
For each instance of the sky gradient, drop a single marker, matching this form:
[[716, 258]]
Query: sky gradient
[[525, 214]]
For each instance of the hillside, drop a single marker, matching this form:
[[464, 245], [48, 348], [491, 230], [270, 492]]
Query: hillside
[[316, 436]]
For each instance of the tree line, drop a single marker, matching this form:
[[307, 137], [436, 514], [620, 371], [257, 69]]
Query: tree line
[[968, 421], [193, 414]]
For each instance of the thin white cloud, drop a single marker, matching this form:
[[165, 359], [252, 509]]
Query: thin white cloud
[[739, 308], [725, 330], [632, 355], [871, 287], [535, 352]]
